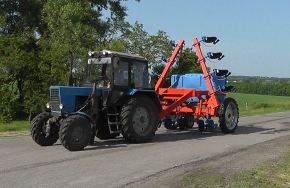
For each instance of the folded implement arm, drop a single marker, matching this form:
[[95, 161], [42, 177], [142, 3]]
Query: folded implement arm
[[173, 99], [169, 64]]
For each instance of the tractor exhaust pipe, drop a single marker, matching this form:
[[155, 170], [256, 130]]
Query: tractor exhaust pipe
[[70, 78]]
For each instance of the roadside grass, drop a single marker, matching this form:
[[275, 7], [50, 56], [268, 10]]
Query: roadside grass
[[15, 126], [251, 104], [274, 173]]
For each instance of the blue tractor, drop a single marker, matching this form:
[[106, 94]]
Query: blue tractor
[[116, 97]]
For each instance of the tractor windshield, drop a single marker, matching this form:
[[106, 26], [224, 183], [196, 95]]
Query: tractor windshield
[[100, 60], [98, 69]]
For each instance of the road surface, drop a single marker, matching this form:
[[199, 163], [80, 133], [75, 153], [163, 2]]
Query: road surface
[[114, 163]]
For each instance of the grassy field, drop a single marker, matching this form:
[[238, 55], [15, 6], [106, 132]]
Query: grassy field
[[250, 104]]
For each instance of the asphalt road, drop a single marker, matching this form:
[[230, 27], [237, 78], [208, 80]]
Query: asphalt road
[[114, 163]]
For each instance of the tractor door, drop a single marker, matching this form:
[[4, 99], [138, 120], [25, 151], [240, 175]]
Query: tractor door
[[120, 83], [127, 74], [139, 75]]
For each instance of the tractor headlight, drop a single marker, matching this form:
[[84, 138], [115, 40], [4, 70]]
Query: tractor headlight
[[60, 106], [106, 52], [91, 53], [47, 105]]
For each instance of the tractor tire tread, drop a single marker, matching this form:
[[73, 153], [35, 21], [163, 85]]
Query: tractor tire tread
[[35, 130], [126, 114], [64, 137], [222, 120]]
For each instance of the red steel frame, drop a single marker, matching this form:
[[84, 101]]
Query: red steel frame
[[173, 100]]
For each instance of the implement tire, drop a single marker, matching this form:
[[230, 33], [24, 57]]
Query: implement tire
[[75, 133], [38, 130], [139, 119], [229, 115]]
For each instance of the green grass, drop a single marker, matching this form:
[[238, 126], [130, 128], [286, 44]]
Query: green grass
[[260, 104], [275, 173], [15, 126]]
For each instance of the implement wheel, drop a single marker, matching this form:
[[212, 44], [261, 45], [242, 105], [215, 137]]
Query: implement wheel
[[186, 122], [38, 130], [139, 119], [229, 115], [75, 133], [189, 121], [169, 124]]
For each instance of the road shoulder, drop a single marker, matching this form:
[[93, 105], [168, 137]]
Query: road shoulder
[[220, 165]]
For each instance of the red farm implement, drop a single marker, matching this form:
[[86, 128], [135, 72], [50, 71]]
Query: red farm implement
[[197, 97]]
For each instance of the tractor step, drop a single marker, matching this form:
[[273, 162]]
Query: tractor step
[[113, 114], [114, 123], [113, 120], [115, 132]]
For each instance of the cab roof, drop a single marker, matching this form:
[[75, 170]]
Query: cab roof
[[120, 54]]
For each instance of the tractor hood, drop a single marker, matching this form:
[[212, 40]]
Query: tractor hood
[[64, 98]]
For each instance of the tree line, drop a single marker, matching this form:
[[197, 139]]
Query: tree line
[[36, 37], [262, 87]]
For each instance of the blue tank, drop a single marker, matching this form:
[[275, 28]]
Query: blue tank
[[196, 81]]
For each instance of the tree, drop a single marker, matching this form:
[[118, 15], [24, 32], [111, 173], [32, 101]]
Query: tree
[[152, 47], [187, 63], [35, 37]]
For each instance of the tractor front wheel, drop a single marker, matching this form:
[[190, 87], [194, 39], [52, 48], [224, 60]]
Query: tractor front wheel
[[75, 133], [38, 130], [139, 119], [229, 115]]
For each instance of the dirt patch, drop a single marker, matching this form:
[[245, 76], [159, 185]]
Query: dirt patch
[[220, 165]]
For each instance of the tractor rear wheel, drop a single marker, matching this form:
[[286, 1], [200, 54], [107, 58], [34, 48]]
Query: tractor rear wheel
[[38, 130], [139, 119], [229, 115], [75, 133]]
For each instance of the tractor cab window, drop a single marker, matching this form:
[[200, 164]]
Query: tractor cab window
[[98, 69], [139, 75], [121, 74]]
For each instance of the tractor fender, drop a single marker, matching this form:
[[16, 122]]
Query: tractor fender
[[87, 117], [148, 92]]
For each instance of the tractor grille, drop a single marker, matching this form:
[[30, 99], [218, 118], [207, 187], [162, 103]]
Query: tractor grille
[[54, 99]]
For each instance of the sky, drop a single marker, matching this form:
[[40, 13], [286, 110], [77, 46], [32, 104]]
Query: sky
[[254, 34]]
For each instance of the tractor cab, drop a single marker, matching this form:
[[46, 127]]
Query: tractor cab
[[116, 74], [115, 69]]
